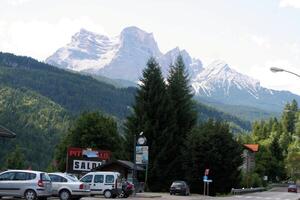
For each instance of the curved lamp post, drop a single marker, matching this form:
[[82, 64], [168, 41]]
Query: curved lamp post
[[276, 69]]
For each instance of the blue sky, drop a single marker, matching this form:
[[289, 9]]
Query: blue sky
[[251, 36]]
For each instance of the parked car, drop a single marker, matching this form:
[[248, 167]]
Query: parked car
[[108, 184], [127, 189], [180, 187], [25, 183], [67, 187], [292, 188]]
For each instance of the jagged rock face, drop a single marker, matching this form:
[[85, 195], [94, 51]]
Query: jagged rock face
[[120, 57], [125, 56]]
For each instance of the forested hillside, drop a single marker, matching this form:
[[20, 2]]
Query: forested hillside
[[38, 122], [75, 92]]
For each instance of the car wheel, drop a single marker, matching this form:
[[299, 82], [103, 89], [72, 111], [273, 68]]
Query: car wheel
[[107, 194], [30, 195], [64, 195]]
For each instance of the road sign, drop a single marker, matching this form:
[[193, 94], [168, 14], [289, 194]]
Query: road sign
[[204, 178]]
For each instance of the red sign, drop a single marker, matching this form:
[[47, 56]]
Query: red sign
[[88, 153], [206, 172]]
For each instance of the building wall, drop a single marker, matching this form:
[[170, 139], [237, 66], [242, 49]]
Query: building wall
[[249, 161]]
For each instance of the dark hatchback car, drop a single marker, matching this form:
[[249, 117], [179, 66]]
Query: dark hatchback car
[[180, 187], [292, 188]]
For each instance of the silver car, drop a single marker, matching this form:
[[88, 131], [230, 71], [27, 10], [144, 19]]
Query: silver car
[[67, 187], [25, 183]]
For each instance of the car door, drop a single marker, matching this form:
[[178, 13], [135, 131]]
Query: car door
[[57, 183], [89, 180], [109, 182], [98, 183], [21, 182], [7, 186]]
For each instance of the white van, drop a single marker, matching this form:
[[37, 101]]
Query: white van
[[108, 184]]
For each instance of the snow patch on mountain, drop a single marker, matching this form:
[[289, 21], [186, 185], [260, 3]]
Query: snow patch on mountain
[[87, 51], [218, 75], [121, 57]]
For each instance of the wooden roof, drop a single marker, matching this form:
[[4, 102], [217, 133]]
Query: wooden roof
[[252, 147]]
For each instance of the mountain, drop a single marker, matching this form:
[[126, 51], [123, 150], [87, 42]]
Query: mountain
[[76, 92], [219, 83], [39, 102], [124, 57], [119, 57]]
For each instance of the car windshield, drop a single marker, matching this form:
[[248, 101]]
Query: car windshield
[[177, 184], [72, 178], [292, 186]]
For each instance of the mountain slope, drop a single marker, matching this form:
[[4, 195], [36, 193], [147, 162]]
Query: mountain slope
[[74, 92], [125, 56], [120, 57], [36, 120], [219, 83]]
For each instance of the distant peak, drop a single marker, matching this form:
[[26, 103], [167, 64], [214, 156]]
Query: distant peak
[[85, 31], [132, 29], [136, 32], [218, 65]]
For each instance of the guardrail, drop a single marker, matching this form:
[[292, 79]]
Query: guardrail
[[247, 190]]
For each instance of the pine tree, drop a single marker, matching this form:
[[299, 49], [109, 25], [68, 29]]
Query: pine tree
[[153, 115], [289, 117], [16, 159], [211, 146], [181, 95]]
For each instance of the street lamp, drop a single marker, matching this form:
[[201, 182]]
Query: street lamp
[[276, 69]]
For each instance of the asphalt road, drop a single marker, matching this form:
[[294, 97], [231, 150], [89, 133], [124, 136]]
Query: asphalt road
[[279, 194], [274, 194]]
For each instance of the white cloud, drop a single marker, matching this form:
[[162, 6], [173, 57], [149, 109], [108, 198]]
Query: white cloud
[[259, 40], [289, 3], [39, 39], [17, 2]]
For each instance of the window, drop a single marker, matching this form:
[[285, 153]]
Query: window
[[109, 179], [99, 179], [31, 176], [58, 179], [8, 176], [45, 177], [87, 179], [20, 176]]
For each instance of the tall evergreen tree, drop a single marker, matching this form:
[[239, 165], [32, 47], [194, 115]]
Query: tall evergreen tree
[[289, 117], [153, 115], [181, 95], [211, 146]]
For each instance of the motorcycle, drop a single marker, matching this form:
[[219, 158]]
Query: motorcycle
[[127, 189]]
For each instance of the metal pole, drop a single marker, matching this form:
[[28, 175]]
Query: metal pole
[[204, 189], [134, 163], [146, 177], [292, 73], [207, 188]]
